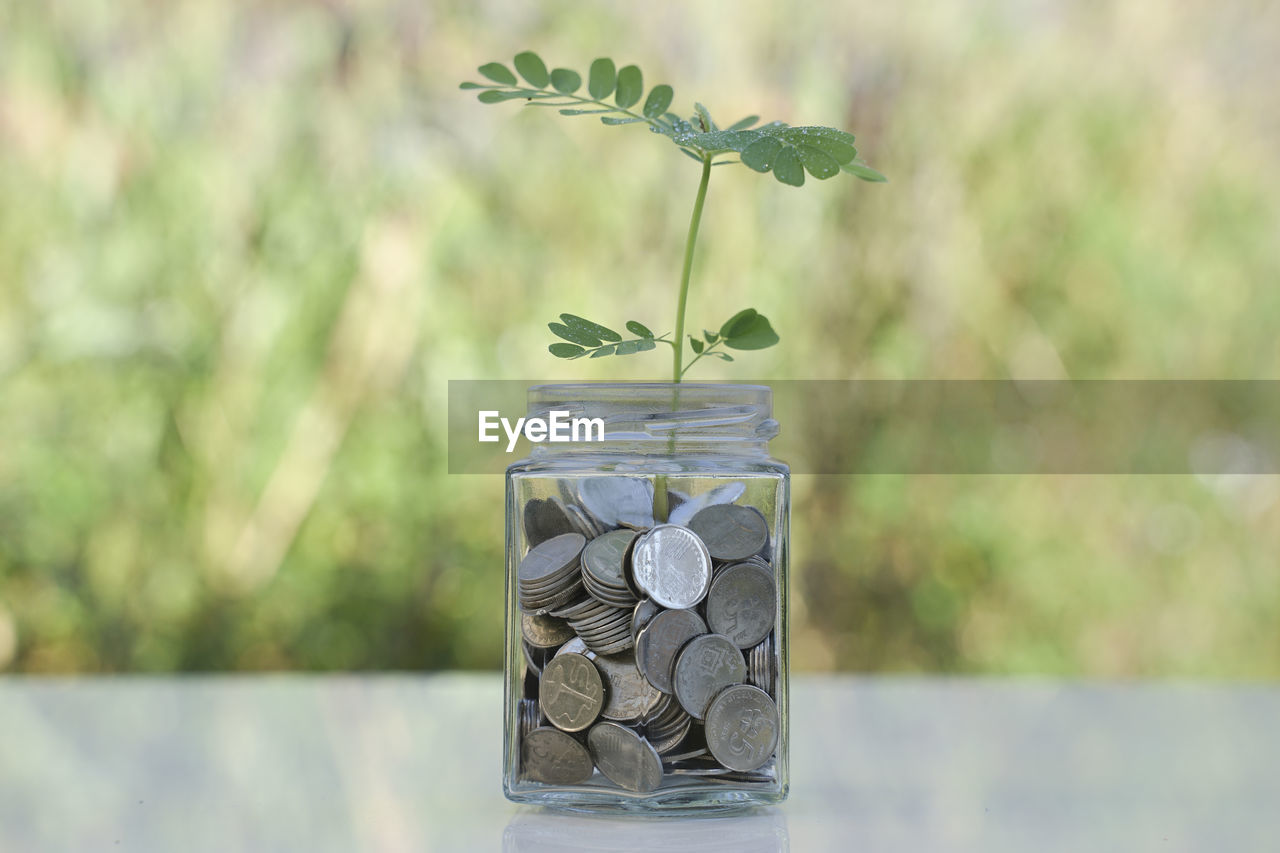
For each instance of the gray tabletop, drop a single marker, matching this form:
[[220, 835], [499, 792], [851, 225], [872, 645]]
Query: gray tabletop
[[413, 763]]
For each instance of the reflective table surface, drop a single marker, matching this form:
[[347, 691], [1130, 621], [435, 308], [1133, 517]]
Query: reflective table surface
[[414, 763]]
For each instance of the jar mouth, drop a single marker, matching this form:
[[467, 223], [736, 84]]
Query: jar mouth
[[664, 411]]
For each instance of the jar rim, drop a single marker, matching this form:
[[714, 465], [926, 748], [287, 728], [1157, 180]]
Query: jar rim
[[664, 411]]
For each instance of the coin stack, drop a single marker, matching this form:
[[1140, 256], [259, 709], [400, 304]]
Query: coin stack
[[650, 647]]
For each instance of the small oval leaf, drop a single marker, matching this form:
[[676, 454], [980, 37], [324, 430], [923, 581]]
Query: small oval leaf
[[628, 348], [818, 163], [630, 86], [787, 168], [532, 68], [645, 345], [469, 85], [761, 154], [861, 170], [566, 350], [498, 73], [607, 349], [723, 356], [601, 78], [696, 344], [612, 120], [659, 99], [566, 81], [604, 333], [577, 336], [493, 96], [743, 123], [640, 329]]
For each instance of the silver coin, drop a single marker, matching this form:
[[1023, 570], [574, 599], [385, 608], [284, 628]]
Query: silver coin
[[615, 501], [726, 494], [672, 566], [545, 519], [628, 697], [574, 647], [544, 632], [660, 641], [571, 693], [553, 757], [742, 603], [582, 521], [759, 667], [731, 532], [640, 617], [552, 559], [705, 666], [672, 739], [742, 727], [625, 758], [604, 556]]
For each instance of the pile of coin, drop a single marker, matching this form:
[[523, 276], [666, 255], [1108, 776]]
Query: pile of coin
[[650, 648]]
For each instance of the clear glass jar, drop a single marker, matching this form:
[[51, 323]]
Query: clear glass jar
[[659, 554]]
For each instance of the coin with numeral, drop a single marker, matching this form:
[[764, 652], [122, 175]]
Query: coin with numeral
[[742, 727], [571, 693]]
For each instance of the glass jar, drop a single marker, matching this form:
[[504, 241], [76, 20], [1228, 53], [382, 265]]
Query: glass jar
[[646, 631]]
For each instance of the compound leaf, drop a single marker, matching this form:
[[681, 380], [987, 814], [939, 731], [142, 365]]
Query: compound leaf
[[604, 333]]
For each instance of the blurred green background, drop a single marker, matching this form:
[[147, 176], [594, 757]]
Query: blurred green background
[[243, 247]]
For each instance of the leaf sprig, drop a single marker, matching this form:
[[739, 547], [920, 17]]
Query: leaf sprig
[[788, 152], [746, 330]]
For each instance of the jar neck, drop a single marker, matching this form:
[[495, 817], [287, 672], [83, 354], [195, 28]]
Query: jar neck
[[657, 419]]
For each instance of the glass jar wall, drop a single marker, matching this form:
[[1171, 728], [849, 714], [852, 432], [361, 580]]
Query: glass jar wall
[[646, 653]]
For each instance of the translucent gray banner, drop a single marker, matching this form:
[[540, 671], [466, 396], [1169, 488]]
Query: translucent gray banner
[[966, 427]]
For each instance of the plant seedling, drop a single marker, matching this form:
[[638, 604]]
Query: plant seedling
[[788, 152]]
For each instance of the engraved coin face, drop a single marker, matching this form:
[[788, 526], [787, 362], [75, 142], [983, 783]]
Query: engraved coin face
[[742, 727], [741, 604], [659, 642], [731, 532], [624, 757], [571, 693], [625, 501], [705, 666], [552, 757], [672, 566], [628, 696], [544, 632]]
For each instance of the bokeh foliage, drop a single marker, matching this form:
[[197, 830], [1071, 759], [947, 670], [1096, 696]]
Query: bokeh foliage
[[244, 246]]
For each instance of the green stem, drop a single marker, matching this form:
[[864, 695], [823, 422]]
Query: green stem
[[676, 373]]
